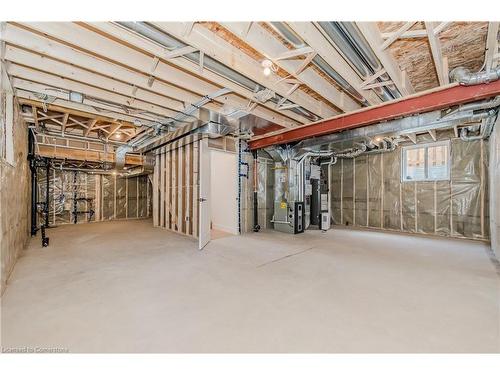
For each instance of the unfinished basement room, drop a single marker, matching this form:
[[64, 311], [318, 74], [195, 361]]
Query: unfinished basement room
[[250, 187]]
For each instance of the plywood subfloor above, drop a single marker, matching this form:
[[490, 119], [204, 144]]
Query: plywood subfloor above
[[463, 43]]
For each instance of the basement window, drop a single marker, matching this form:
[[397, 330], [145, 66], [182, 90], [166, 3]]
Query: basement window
[[426, 162]]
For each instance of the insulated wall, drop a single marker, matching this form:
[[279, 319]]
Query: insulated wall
[[176, 186], [494, 188], [367, 191], [110, 196], [14, 184]]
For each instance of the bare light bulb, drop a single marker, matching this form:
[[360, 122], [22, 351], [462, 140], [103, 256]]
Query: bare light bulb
[[267, 65]]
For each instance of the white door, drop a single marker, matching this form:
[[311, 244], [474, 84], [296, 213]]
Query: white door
[[204, 204], [224, 191]]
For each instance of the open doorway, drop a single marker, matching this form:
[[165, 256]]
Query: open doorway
[[224, 194]]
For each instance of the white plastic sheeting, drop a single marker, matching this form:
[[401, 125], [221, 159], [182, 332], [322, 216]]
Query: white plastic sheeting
[[108, 196], [367, 191]]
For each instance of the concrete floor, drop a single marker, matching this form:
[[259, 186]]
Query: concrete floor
[[129, 287]]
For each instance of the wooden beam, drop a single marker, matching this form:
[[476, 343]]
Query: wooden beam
[[491, 46], [437, 55], [90, 126], [313, 34], [45, 117], [395, 35], [57, 50], [180, 52], [260, 39], [65, 121], [441, 27], [373, 77], [432, 133], [69, 110], [290, 54], [378, 84], [305, 63], [62, 152], [372, 35], [412, 34], [58, 82], [113, 43], [114, 128], [412, 137], [222, 50]]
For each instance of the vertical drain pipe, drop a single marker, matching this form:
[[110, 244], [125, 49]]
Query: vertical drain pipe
[[47, 195], [256, 226], [34, 187], [239, 186]]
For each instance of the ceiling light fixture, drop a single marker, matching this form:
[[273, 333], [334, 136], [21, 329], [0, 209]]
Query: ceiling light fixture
[[267, 65]]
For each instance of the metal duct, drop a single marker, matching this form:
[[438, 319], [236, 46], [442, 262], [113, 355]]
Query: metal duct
[[171, 43], [290, 36], [465, 77], [486, 128], [349, 40], [423, 122]]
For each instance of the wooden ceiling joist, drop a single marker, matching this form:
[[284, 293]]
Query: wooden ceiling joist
[[106, 47], [216, 47], [437, 56], [312, 35], [372, 35], [61, 152], [84, 123], [26, 90], [491, 46], [261, 40], [181, 72]]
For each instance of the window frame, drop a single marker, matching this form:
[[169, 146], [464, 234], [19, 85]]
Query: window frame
[[425, 146]]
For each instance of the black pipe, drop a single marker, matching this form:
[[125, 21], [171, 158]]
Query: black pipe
[[75, 202], [256, 226], [47, 195], [34, 186]]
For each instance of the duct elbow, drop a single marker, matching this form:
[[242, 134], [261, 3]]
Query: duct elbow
[[466, 78]]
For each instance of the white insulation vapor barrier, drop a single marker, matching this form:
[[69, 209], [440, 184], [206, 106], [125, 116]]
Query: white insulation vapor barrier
[[98, 197], [367, 191]]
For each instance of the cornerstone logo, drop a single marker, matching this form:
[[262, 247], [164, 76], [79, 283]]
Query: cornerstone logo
[[27, 349]]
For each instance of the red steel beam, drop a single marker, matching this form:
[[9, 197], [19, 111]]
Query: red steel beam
[[419, 103]]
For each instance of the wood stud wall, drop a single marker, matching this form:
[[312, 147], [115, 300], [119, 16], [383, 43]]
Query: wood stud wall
[[176, 188]]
